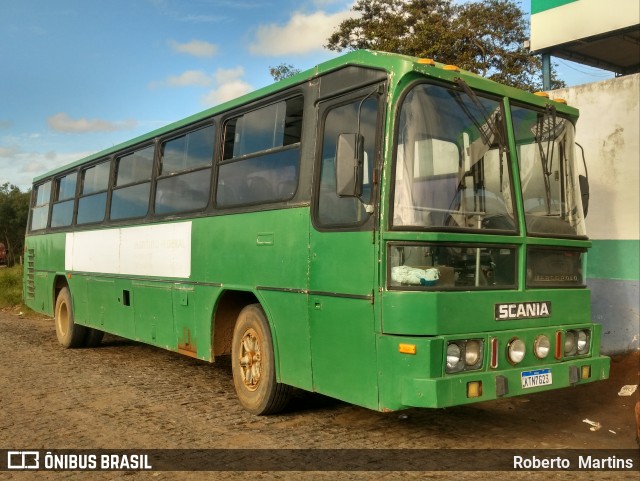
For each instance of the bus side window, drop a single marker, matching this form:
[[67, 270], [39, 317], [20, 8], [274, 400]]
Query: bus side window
[[332, 209], [130, 196], [93, 193], [260, 162], [185, 172], [63, 200], [40, 209]]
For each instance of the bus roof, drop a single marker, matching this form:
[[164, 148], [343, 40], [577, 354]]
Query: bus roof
[[395, 65]]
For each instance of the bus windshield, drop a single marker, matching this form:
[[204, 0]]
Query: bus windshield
[[545, 146], [451, 172]]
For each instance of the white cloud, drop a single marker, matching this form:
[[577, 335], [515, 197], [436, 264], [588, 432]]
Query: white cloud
[[61, 122], [8, 151], [302, 34], [185, 79], [229, 85], [19, 167], [197, 48], [225, 75]]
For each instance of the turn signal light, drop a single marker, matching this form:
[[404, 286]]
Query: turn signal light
[[407, 348], [474, 389]]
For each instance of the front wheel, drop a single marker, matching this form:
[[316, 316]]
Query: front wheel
[[69, 333], [253, 365]]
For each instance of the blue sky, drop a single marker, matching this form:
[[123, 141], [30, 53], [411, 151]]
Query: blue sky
[[79, 76]]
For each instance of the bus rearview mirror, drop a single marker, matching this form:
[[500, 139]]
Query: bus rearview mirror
[[584, 191]]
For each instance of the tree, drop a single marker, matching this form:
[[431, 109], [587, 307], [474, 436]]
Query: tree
[[14, 211], [486, 37], [283, 71]]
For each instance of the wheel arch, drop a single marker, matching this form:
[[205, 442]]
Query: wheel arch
[[225, 314], [59, 282]]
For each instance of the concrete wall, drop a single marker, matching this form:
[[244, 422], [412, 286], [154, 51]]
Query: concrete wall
[[609, 131]]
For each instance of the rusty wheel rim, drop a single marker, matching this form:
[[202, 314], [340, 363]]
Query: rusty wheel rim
[[250, 359]]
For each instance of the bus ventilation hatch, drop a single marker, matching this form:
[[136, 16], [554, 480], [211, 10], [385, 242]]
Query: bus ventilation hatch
[[31, 287]]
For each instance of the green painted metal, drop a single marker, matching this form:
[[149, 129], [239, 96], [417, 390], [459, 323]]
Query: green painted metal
[[538, 6], [614, 259], [336, 326], [406, 312]]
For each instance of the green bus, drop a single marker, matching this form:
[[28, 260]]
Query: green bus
[[382, 229]]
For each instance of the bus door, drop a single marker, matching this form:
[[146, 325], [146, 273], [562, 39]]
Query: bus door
[[342, 266]]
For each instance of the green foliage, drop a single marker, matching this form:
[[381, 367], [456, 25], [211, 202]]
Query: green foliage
[[486, 37], [14, 211], [10, 286], [283, 71]]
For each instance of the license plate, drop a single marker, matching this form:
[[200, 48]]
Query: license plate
[[541, 377]]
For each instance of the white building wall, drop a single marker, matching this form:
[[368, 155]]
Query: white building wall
[[609, 132]]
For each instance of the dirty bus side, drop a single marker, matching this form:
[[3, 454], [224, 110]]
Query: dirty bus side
[[380, 229]]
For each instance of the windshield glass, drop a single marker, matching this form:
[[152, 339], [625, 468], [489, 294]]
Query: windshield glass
[[451, 172], [545, 148]]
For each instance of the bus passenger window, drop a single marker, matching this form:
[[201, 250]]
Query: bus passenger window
[[185, 172], [93, 194], [130, 197], [40, 209], [64, 198], [261, 155]]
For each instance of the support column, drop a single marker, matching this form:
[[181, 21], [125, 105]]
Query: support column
[[546, 71]]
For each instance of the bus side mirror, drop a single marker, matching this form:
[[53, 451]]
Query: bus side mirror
[[349, 165], [584, 192]]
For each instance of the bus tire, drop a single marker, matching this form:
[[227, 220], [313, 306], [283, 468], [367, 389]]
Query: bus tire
[[93, 338], [253, 364], [69, 333]]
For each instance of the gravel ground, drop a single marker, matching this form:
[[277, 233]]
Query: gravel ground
[[126, 395]]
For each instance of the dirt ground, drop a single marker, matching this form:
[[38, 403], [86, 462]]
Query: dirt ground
[[126, 395]]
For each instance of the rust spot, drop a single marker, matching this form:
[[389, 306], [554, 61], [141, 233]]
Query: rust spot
[[188, 345]]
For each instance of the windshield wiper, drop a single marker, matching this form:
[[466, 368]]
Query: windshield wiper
[[546, 154], [489, 121]]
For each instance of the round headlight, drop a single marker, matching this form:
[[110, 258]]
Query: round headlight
[[453, 357], [541, 346], [516, 350], [583, 342], [472, 353], [570, 343]]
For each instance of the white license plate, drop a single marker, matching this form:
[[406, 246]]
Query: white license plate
[[541, 377]]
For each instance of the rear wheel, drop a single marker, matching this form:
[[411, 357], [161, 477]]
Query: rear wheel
[[93, 337], [69, 333], [253, 365]]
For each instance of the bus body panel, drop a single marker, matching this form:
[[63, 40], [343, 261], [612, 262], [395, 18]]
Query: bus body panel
[[342, 273], [260, 252], [432, 313]]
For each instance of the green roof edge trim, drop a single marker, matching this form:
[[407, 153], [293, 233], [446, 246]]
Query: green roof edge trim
[[538, 6]]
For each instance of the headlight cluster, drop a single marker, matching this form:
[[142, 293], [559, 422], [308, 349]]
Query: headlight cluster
[[464, 355], [576, 342], [516, 348]]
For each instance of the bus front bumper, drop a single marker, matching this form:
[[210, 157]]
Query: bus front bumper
[[470, 387]]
